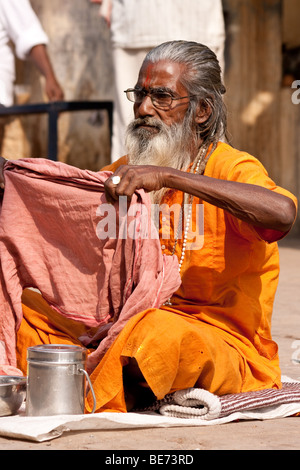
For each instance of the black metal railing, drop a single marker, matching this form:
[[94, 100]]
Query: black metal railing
[[53, 109]]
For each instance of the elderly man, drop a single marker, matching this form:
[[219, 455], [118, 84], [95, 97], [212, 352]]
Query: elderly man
[[215, 331]]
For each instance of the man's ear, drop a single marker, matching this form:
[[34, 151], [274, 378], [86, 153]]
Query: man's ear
[[203, 112]]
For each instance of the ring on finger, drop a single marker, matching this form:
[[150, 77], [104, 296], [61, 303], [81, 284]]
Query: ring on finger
[[116, 179]]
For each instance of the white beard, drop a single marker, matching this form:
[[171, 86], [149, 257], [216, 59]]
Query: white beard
[[170, 147]]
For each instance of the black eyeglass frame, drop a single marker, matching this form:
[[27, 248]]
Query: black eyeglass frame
[[150, 94]]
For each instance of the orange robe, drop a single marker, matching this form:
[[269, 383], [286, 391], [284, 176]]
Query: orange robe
[[216, 334]]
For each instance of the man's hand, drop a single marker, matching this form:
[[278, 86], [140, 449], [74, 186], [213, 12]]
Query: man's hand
[[53, 89], [39, 56], [128, 178]]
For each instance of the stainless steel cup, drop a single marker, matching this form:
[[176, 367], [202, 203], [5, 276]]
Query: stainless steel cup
[[56, 380]]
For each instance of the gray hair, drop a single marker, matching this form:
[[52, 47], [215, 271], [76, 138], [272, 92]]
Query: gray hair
[[201, 78]]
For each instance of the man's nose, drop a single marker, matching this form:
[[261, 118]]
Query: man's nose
[[144, 108]]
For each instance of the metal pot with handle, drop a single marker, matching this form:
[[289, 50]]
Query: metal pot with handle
[[56, 382]]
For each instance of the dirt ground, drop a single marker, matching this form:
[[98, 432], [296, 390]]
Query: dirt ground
[[277, 434]]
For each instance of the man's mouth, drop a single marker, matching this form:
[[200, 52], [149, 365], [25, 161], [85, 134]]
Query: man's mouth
[[147, 124], [150, 129]]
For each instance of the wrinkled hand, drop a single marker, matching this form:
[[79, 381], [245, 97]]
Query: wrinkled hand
[[133, 177], [2, 163]]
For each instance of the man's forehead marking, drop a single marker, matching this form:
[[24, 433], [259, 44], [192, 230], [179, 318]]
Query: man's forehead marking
[[149, 70]]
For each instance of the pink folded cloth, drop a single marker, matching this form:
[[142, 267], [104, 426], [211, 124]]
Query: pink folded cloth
[[92, 261]]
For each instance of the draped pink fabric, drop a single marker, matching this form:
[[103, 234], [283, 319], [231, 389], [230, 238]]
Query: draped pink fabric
[[53, 237]]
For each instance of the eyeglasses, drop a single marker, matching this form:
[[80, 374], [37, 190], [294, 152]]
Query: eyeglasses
[[160, 99]]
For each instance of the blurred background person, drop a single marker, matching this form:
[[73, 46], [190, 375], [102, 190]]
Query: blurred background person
[[22, 34], [138, 26]]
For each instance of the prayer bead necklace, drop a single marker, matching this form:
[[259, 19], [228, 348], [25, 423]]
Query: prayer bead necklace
[[197, 168]]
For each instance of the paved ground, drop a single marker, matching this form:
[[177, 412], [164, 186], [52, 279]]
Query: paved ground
[[278, 434]]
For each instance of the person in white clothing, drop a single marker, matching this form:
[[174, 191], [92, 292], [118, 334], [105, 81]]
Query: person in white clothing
[[20, 25], [138, 26]]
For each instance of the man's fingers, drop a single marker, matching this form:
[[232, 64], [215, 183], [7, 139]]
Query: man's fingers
[[110, 186]]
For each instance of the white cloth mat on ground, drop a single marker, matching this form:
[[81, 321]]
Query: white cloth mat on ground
[[196, 407]]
